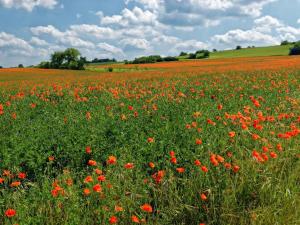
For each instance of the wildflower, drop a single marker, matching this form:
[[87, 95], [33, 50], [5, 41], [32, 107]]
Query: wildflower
[[173, 160], [88, 179], [97, 188], [135, 219], [10, 213], [1, 180], [150, 140], [113, 220], [15, 184], [51, 158], [98, 171], [204, 169], [111, 160], [86, 192], [22, 175], [129, 166], [151, 165], [220, 107], [92, 163], [118, 208], [88, 116], [197, 162], [180, 170], [203, 197], [172, 154], [236, 169], [101, 178], [231, 134], [147, 208], [198, 141], [88, 150], [14, 115], [273, 155]]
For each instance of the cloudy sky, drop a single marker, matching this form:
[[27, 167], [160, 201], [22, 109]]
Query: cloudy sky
[[30, 30]]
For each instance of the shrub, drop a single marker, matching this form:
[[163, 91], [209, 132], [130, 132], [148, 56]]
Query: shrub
[[296, 49], [238, 47], [110, 69], [20, 66]]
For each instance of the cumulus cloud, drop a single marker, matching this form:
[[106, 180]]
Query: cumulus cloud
[[135, 44], [245, 36], [201, 12], [110, 49], [28, 5], [136, 16], [9, 41], [38, 42]]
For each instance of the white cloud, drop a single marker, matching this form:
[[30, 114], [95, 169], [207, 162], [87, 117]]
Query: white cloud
[[267, 23], [238, 36], [136, 16], [110, 49], [190, 46], [28, 5], [135, 44], [298, 21], [9, 41], [38, 42], [201, 12]]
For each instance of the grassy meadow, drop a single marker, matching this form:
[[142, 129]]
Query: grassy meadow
[[212, 142]]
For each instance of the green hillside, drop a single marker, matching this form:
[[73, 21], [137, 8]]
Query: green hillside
[[252, 52]]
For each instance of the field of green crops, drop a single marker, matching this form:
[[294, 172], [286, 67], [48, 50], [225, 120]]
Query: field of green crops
[[180, 148]]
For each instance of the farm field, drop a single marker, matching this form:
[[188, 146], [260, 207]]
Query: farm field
[[282, 50], [212, 142]]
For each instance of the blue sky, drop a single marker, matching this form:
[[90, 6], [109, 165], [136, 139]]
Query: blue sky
[[30, 30]]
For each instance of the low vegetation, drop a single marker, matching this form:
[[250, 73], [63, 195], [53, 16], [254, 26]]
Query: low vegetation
[[212, 142]]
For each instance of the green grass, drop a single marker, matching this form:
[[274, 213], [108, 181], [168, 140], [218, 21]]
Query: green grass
[[252, 52], [118, 118]]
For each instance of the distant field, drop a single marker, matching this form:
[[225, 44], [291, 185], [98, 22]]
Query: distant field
[[253, 52]]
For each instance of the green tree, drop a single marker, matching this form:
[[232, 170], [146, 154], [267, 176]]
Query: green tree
[[295, 50], [20, 66]]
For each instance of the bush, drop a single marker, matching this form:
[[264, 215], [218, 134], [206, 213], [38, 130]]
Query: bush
[[1, 67], [20, 66], [296, 49], [238, 47], [169, 59], [202, 54], [110, 69]]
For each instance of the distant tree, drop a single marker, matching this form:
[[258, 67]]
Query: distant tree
[[1, 67], [215, 50], [285, 42], [44, 65], [20, 66], [183, 54], [295, 50], [192, 56], [169, 59], [202, 54], [238, 47], [68, 59]]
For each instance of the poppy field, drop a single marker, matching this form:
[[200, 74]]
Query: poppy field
[[212, 142]]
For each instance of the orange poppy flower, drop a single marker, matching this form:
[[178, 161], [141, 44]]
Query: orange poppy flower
[[135, 219], [113, 220], [111, 160], [180, 170], [147, 208], [10, 213], [129, 166], [97, 188]]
